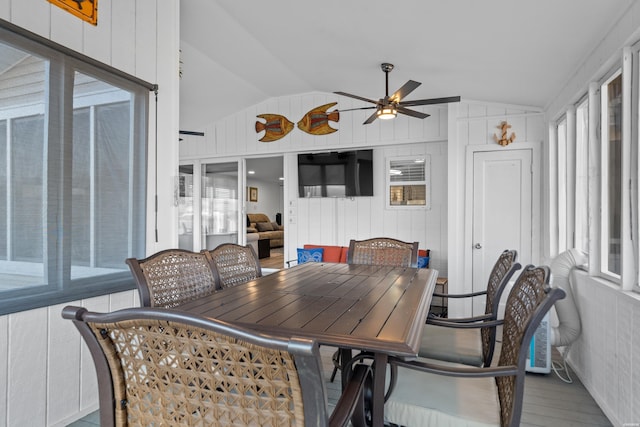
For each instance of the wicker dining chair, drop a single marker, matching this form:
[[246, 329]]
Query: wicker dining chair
[[234, 264], [470, 340], [165, 367], [378, 251], [432, 393], [383, 251], [171, 277]]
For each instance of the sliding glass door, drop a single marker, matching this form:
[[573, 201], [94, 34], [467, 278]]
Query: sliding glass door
[[219, 204], [185, 207], [210, 199]]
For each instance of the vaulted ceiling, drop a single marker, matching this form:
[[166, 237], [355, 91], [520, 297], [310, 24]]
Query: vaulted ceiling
[[238, 53]]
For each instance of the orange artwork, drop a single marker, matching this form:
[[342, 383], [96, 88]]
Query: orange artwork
[[274, 127], [316, 121], [87, 10]]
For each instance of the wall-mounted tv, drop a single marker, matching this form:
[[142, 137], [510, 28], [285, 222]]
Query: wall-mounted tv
[[336, 174]]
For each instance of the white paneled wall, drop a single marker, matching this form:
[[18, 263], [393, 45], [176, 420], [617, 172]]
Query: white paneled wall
[[334, 221], [47, 377], [606, 354], [236, 135], [473, 125]]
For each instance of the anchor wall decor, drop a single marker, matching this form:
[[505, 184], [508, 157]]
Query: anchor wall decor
[[503, 140]]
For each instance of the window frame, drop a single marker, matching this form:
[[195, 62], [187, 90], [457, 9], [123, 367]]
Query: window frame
[[604, 187], [581, 161], [61, 65], [588, 174], [562, 180], [426, 182]]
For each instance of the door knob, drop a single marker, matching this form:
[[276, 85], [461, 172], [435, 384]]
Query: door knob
[[478, 246]]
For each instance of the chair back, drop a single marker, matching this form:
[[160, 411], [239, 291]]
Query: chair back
[[529, 300], [234, 264], [166, 367], [502, 271], [383, 251], [172, 277]]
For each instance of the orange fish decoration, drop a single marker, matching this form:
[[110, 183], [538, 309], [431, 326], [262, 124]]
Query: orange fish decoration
[[275, 127], [316, 121]]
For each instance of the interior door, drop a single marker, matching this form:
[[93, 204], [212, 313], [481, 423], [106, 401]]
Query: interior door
[[502, 211]]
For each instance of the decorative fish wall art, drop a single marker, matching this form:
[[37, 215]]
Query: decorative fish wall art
[[275, 127], [315, 122]]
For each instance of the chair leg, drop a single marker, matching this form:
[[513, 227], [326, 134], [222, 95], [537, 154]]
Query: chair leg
[[333, 374], [336, 364]]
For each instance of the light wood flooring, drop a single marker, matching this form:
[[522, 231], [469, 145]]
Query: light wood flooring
[[548, 401], [276, 260]]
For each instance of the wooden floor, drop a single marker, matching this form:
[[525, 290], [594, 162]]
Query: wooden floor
[[276, 260]]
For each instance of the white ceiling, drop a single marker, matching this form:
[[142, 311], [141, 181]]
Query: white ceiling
[[238, 53]]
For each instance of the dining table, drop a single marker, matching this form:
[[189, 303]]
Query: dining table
[[377, 309]]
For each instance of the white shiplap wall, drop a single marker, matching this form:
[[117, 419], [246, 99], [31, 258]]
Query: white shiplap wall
[[50, 377], [47, 377], [606, 355], [334, 221], [472, 126]]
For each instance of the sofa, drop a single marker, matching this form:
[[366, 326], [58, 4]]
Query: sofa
[[259, 224]]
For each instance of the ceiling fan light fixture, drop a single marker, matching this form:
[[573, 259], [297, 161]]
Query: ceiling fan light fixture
[[387, 112]]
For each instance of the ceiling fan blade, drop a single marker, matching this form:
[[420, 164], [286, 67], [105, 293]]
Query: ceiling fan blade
[[430, 101], [356, 97], [371, 118], [412, 113], [405, 90], [361, 108]]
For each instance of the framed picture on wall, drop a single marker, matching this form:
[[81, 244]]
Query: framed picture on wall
[[253, 194]]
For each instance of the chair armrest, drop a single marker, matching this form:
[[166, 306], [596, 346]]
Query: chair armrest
[[455, 371], [351, 402], [437, 320], [475, 325], [467, 295]]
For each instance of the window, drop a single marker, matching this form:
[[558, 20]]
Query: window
[[611, 96], [562, 185], [601, 172], [72, 175], [581, 231], [407, 182]]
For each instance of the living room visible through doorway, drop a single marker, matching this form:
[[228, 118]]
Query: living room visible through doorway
[[264, 203]]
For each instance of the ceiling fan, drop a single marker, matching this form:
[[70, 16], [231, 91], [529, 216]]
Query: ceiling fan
[[389, 106]]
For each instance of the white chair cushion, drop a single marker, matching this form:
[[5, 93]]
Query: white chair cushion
[[452, 345], [422, 399]]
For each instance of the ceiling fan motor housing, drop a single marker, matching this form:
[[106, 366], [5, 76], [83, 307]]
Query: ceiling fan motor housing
[[386, 67]]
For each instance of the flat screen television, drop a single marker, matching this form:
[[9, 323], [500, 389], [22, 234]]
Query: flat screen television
[[336, 174]]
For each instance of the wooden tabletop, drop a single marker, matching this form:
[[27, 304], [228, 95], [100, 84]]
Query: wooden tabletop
[[376, 308]]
